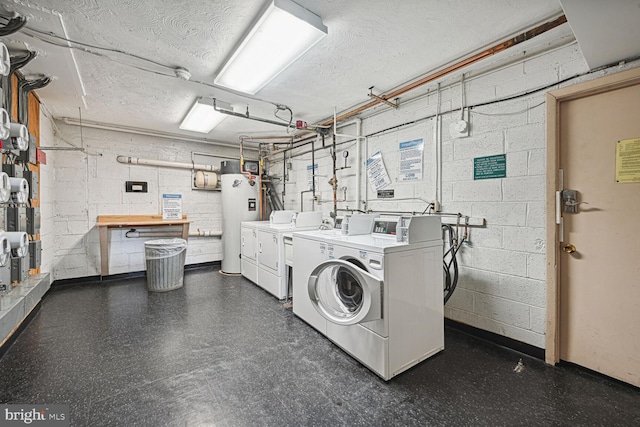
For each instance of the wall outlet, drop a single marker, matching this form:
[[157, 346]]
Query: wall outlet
[[436, 205]]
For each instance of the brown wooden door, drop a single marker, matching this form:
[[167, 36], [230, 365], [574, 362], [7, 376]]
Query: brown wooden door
[[599, 286]]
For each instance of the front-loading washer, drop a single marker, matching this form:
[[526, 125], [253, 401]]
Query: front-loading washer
[[377, 298]]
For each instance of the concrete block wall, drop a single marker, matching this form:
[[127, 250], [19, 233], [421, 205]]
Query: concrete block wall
[[79, 186], [502, 285]]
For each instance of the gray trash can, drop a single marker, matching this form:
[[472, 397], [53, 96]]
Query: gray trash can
[[165, 264]]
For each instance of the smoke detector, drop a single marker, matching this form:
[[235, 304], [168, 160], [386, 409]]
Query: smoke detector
[[182, 73]]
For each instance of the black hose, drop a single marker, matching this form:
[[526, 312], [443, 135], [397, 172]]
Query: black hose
[[450, 266], [14, 25]]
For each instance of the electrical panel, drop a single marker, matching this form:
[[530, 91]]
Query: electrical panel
[[35, 253], [33, 221], [14, 171], [29, 155], [17, 219], [20, 268], [33, 179]]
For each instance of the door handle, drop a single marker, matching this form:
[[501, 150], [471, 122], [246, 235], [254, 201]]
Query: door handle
[[569, 248]]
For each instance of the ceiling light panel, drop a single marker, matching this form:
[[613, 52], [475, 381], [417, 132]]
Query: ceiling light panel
[[283, 34], [203, 117]]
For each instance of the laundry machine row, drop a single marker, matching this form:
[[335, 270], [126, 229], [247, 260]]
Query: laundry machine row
[[263, 248], [378, 296]]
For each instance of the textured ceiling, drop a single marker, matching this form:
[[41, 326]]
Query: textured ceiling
[[370, 43]]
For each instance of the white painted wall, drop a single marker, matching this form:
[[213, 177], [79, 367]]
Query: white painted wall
[[502, 287], [77, 187]]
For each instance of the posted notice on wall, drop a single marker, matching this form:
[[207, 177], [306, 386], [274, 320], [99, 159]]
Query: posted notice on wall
[[171, 206], [376, 172], [628, 160], [411, 160], [311, 172]]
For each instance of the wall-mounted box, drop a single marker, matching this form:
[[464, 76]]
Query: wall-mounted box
[[16, 219], [5, 277], [20, 269], [3, 218], [29, 155], [33, 221], [13, 170], [35, 253], [136, 187], [33, 178]]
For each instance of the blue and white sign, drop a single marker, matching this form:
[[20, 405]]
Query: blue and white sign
[[171, 206], [411, 160]]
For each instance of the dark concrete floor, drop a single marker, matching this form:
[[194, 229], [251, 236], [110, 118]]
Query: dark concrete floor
[[221, 351]]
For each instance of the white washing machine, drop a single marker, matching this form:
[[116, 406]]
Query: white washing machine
[[377, 298], [263, 250]]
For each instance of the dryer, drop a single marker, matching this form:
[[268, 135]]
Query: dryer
[[263, 249], [377, 298]]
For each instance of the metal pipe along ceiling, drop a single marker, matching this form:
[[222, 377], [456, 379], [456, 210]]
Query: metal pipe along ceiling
[[527, 35], [522, 37], [166, 164]]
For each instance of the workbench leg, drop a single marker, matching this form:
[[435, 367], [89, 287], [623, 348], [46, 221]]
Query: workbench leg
[[104, 251], [185, 231]]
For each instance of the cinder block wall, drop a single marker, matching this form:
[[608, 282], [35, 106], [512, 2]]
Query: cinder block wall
[[502, 285], [77, 187]]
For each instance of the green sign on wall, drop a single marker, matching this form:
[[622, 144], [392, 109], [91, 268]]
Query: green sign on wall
[[489, 167]]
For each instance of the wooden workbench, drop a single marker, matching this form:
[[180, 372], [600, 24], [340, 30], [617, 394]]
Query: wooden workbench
[[105, 222]]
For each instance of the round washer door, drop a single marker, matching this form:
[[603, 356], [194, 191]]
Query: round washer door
[[344, 293]]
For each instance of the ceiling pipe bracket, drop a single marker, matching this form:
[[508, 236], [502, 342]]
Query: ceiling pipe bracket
[[383, 99]]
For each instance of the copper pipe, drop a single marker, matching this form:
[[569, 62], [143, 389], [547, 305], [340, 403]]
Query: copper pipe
[[527, 35]]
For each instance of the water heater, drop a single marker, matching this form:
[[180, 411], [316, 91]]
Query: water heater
[[239, 203]]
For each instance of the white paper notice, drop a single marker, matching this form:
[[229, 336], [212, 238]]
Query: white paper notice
[[411, 160], [171, 206], [377, 173]]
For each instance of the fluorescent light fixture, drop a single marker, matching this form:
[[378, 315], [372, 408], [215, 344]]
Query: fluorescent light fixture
[[284, 32], [202, 117]]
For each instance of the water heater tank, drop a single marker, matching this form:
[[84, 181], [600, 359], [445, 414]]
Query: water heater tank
[[239, 203]]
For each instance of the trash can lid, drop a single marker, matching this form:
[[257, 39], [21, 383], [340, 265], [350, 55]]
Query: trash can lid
[[173, 243]]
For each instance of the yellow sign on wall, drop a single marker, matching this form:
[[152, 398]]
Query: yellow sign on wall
[[628, 160]]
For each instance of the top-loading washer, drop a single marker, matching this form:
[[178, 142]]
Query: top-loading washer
[[263, 249], [377, 298]]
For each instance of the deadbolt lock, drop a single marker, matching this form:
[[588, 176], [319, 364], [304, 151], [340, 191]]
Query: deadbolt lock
[[571, 202], [569, 248]]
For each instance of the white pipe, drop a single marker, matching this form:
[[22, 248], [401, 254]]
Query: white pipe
[[146, 132], [197, 233], [438, 150], [335, 127], [205, 233], [163, 163]]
